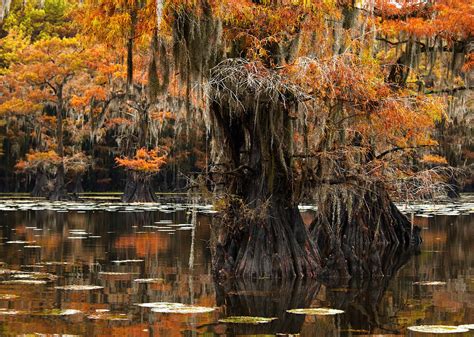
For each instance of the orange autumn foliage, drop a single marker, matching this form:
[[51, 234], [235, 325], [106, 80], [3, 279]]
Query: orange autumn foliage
[[434, 159], [147, 162], [38, 160]]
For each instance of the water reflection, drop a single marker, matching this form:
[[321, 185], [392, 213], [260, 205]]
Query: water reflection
[[152, 256], [266, 298]]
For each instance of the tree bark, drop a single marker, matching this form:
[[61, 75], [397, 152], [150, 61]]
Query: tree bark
[[78, 188], [356, 228], [261, 232], [60, 191], [138, 189], [42, 186]]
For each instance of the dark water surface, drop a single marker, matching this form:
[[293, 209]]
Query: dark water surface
[[44, 246]]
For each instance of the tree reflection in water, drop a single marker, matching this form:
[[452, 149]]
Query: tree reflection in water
[[385, 305]]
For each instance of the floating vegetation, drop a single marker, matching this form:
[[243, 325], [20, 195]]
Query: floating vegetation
[[430, 283], [182, 309], [10, 312], [20, 242], [54, 263], [34, 276], [148, 280], [316, 311], [78, 287], [437, 329], [9, 271], [113, 273], [160, 305], [126, 261], [429, 210], [164, 222], [58, 312], [247, 320], [105, 315], [467, 326], [8, 297], [19, 282]]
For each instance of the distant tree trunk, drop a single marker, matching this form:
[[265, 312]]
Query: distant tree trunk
[[59, 191], [355, 226], [138, 189], [78, 188], [261, 232], [42, 186], [130, 44]]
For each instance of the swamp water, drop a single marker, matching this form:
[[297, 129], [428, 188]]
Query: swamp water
[[81, 269]]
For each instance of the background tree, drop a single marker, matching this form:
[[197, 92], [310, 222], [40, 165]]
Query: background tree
[[143, 166], [48, 77]]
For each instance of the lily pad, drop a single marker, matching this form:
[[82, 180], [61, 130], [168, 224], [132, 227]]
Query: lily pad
[[430, 283], [467, 326], [113, 273], [78, 287], [183, 309], [438, 329], [148, 280], [20, 242], [247, 320], [35, 276], [54, 263], [7, 297], [10, 312], [32, 282], [58, 312], [126, 261], [160, 305], [316, 311], [109, 316]]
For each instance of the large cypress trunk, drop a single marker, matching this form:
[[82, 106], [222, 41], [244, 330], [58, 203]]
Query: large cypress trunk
[[260, 232], [42, 186], [138, 189], [358, 228], [60, 191]]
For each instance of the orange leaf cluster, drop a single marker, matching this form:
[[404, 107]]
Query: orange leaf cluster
[[145, 161], [38, 159], [434, 159]]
